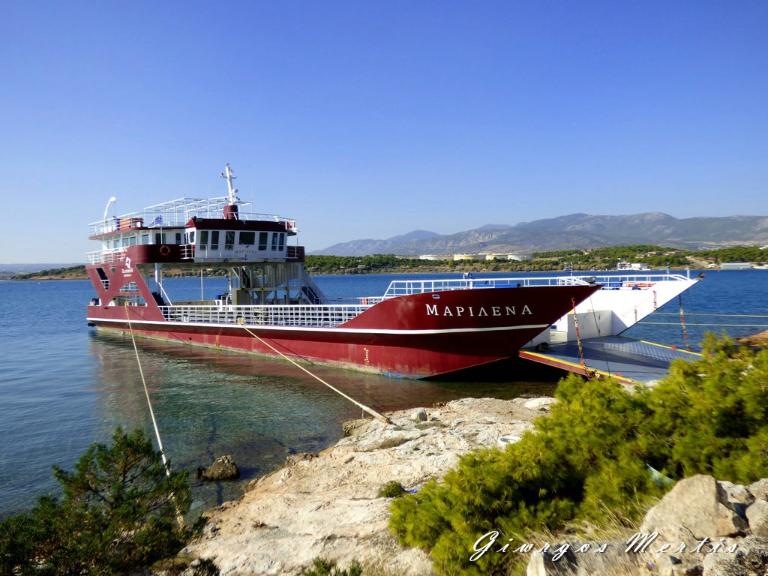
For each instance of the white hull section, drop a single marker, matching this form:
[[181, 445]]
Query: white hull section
[[615, 308]]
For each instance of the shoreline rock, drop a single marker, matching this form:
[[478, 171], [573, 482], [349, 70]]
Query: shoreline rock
[[327, 505], [223, 468]]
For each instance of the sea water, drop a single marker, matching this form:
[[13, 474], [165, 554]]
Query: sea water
[[63, 386]]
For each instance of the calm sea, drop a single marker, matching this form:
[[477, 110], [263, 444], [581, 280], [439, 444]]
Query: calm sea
[[63, 387]]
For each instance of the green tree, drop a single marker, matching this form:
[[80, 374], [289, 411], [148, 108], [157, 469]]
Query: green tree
[[118, 512]]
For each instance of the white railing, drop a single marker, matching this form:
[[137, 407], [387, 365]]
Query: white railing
[[176, 214], [105, 256], [408, 287], [612, 281], [310, 316]]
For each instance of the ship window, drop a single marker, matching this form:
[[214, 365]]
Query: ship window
[[215, 240], [274, 241], [159, 237], [229, 240], [281, 246], [145, 238], [203, 237], [131, 240], [247, 238], [191, 236], [263, 240], [178, 237]]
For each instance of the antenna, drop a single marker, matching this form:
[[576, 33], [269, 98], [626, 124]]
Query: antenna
[[231, 190], [111, 201]]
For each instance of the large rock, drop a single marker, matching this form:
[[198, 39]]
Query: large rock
[[696, 508], [759, 489], [738, 497], [757, 516], [749, 559], [223, 468]]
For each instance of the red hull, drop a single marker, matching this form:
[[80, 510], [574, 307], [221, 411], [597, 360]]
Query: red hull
[[416, 336]]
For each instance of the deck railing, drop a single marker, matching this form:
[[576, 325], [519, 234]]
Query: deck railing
[[310, 316], [176, 214], [610, 281], [109, 256]]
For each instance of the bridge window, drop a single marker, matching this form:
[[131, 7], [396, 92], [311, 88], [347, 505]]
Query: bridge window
[[274, 241], [203, 237], [145, 238], [215, 240], [229, 240], [281, 246], [159, 237], [248, 238], [263, 240], [178, 237]]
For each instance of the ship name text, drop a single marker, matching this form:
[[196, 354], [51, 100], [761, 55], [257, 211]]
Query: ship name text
[[473, 311]]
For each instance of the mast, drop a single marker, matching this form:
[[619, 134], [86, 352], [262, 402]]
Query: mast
[[230, 210]]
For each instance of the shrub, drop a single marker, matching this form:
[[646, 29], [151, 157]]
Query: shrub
[[391, 489], [323, 567], [118, 512], [593, 453]]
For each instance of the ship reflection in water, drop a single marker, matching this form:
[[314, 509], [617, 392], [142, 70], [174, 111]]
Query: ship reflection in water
[[260, 410]]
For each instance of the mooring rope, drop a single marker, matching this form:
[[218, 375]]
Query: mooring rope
[[682, 323], [599, 333], [578, 337], [362, 406], [179, 515]]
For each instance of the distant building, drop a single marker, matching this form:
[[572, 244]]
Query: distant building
[[736, 266], [507, 257], [461, 257], [431, 257]]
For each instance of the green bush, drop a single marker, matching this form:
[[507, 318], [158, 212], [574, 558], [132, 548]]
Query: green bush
[[323, 567], [592, 454], [118, 512], [391, 489]]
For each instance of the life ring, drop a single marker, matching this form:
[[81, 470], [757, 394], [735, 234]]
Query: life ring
[[165, 250]]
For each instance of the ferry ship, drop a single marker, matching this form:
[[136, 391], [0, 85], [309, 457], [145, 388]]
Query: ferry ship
[[416, 329]]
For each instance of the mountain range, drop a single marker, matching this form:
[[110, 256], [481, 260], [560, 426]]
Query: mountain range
[[570, 231]]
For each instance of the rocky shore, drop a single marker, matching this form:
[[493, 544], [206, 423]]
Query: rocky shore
[[328, 504]]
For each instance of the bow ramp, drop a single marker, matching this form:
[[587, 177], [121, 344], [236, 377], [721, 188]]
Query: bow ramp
[[625, 359]]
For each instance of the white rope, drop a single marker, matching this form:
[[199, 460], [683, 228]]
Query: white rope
[[370, 411], [179, 516]]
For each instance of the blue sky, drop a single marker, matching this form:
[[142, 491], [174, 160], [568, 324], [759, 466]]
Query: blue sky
[[371, 119]]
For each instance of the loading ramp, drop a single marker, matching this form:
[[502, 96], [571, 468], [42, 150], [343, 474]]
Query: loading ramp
[[625, 359]]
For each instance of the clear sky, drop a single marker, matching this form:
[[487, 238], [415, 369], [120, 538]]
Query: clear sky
[[365, 119]]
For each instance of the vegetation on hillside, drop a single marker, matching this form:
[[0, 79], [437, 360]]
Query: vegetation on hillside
[[594, 259], [117, 513], [601, 449]]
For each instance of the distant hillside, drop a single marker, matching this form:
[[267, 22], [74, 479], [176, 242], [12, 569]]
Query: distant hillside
[[571, 231]]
